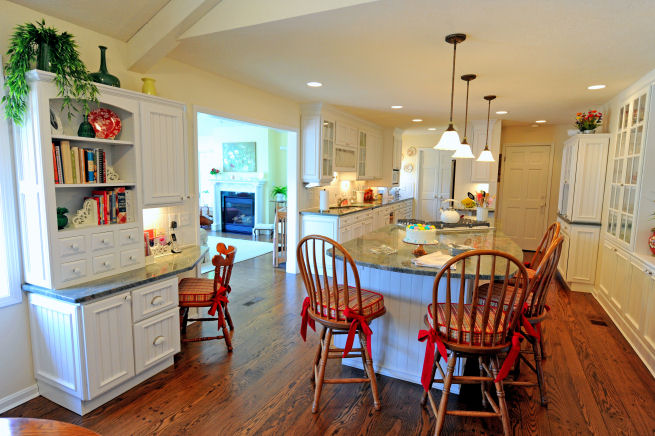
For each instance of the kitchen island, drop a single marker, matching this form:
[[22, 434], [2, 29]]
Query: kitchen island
[[407, 291]]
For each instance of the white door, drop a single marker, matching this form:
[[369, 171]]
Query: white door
[[523, 203], [434, 182]]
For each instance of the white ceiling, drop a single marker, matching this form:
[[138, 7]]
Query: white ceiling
[[120, 19], [537, 56]]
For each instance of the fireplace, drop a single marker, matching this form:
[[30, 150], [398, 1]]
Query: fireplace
[[237, 211]]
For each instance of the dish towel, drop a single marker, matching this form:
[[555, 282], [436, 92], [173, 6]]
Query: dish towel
[[432, 260]]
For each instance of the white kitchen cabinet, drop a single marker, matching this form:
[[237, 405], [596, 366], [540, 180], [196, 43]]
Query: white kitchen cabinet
[[318, 137], [374, 158], [397, 150], [362, 155], [164, 153], [577, 264], [346, 134], [582, 180]]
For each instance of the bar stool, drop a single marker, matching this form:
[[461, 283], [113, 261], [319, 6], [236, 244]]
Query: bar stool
[[339, 308], [477, 329], [212, 293], [280, 237]]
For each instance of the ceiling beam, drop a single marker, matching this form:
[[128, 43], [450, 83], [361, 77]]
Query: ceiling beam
[[159, 36], [234, 14]]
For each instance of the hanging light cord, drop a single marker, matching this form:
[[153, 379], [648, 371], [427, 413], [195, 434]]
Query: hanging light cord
[[466, 114], [452, 82], [486, 141]]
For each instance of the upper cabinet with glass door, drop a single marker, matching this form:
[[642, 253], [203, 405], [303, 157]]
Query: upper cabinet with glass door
[[626, 167]]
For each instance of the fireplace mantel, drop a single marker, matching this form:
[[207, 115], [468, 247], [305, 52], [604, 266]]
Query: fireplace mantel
[[254, 186]]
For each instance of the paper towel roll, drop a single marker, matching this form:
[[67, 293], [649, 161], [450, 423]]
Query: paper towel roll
[[323, 200]]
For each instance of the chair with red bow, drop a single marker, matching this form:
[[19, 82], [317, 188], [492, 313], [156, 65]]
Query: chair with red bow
[[340, 308], [534, 312], [477, 329], [212, 293]]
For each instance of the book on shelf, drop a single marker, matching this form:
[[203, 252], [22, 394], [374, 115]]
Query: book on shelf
[[78, 165], [66, 162], [121, 206], [90, 166], [54, 163], [59, 167]]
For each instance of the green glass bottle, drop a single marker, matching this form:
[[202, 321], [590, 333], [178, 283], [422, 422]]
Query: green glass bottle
[[103, 75], [86, 129]]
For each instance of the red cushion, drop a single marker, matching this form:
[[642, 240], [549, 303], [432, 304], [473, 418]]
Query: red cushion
[[196, 291], [372, 303], [466, 324]]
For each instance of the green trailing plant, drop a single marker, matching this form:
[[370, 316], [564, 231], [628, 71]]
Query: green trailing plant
[[279, 190], [53, 51]]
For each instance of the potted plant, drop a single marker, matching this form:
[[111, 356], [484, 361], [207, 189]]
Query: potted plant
[[587, 122], [280, 193], [35, 45]]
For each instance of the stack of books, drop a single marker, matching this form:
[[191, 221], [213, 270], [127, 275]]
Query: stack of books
[[76, 165], [113, 205]]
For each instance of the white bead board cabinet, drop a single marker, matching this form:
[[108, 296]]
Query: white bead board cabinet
[[577, 264], [85, 354], [55, 258]]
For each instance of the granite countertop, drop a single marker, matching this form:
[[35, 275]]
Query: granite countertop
[[401, 261], [354, 208], [163, 267]]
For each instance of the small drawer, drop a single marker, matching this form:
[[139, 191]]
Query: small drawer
[[130, 257], [73, 270], [129, 236], [155, 339], [152, 299], [71, 246], [102, 241], [104, 263]]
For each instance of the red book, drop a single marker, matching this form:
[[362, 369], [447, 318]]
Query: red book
[[105, 205], [54, 163]]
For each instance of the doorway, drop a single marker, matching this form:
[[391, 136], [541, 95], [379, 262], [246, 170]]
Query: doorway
[[435, 182], [525, 184]]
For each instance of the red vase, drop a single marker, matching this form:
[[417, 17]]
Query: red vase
[[651, 242]]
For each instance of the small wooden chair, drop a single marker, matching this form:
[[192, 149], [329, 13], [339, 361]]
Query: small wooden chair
[[535, 310], [339, 308], [212, 293], [280, 237], [551, 234], [476, 329]]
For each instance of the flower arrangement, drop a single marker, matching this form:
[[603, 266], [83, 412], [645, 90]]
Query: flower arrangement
[[214, 171], [588, 120]]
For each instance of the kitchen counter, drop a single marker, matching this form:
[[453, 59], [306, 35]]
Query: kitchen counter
[[163, 267], [347, 210]]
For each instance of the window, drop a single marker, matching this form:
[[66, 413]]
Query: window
[[10, 277]]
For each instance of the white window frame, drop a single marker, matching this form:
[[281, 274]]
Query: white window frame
[[9, 238]]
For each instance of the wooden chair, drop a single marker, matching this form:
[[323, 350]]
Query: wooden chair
[[212, 293], [551, 234], [280, 237], [340, 307], [473, 329], [535, 310]]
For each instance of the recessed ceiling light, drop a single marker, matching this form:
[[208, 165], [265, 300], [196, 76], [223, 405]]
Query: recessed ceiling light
[[396, 106], [314, 84], [432, 128], [540, 121], [417, 120], [501, 112], [596, 87]]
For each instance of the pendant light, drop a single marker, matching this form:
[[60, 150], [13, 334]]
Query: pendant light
[[450, 139], [485, 155], [464, 149]]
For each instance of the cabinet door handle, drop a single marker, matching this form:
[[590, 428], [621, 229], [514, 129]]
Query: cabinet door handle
[[75, 246], [76, 270], [158, 300], [104, 241], [131, 257], [128, 297], [105, 263], [130, 237], [159, 340]]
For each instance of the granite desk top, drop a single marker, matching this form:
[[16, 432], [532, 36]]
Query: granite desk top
[[164, 267], [347, 210], [401, 261]]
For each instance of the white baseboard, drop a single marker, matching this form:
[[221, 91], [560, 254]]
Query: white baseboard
[[18, 398]]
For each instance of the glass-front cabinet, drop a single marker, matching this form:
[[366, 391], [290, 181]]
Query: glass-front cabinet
[[361, 155], [626, 166], [327, 136]]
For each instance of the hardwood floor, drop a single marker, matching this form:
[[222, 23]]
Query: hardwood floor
[[597, 384]]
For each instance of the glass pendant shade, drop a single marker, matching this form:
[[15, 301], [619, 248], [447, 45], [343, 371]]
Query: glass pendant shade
[[486, 156], [463, 152], [449, 140]]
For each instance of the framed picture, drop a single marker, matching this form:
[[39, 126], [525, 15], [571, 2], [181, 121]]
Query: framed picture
[[240, 157]]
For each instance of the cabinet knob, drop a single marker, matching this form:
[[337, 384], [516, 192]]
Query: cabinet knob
[[75, 246], [127, 297], [104, 241], [76, 270], [131, 257], [158, 300], [159, 340], [129, 236], [105, 263]]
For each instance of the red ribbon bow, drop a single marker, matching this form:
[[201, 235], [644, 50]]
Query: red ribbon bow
[[306, 319], [431, 337], [360, 320], [509, 361], [220, 297]]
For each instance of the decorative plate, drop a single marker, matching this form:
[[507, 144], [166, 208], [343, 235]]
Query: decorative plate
[[411, 151], [105, 122], [408, 168]]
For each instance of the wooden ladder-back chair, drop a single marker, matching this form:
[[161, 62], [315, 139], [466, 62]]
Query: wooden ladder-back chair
[[551, 234], [477, 329], [341, 306], [212, 293], [280, 237], [535, 310]]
